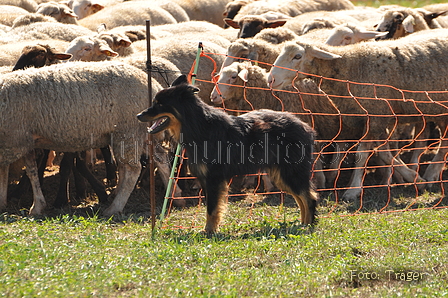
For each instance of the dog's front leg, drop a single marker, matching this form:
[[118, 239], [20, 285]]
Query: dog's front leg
[[216, 192]]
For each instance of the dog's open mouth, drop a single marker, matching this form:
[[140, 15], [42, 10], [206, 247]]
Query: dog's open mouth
[[159, 125]]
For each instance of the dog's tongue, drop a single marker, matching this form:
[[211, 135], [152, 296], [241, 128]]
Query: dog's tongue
[[156, 124]]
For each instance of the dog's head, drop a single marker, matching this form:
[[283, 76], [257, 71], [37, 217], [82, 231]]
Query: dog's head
[[168, 105]]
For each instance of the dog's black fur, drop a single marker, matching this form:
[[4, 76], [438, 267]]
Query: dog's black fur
[[220, 146]]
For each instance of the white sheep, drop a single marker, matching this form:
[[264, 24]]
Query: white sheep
[[204, 10], [182, 53], [84, 8], [61, 12], [174, 9], [32, 18], [415, 62], [90, 48], [252, 49], [9, 13], [292, 7], [128, 13], [29, 5], [346, 34], [45, 30], [61, 115]]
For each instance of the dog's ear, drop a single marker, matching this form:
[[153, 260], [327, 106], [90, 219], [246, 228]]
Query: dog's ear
[[182, 79], [193, 89]]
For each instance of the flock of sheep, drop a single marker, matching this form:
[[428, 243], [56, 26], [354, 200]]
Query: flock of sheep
[[73, 77]]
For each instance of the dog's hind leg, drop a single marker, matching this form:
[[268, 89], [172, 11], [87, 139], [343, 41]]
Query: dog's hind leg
[[301, 191], [216, 192]]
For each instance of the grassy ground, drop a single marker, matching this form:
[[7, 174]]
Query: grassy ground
[[264, 254]]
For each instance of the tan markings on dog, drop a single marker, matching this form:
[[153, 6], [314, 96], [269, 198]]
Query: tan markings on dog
[[174, 126], [214, 219], [301, 199]]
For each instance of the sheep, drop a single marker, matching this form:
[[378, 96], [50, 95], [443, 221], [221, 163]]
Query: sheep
[[305, 98], [175, 10], [61, 115], [128, 13], [118, 42], [9, 13], [61, 12], [351, 33], [276, 35], [45, 30], [28, 5], [31, 18], [402, 21], [182, 53], [90, 48], [204, 10], [414, 62], [193, 29], [10, 53], [233, 7], [84, 8], [252, 49], [39, 55], [250, 25], [292, 8], [162, 70]]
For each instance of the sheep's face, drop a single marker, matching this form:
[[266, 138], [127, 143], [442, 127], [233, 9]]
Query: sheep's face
[[295, 62], [223, 89], [392, 22], [237, 52], [283, 71]]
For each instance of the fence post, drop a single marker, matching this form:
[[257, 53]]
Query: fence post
[[178, 148], [152, 186]]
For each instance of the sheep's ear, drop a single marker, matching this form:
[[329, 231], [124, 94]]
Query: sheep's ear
[[232, 23], [276, 23], [370, 34], [101, 28], [321, 54], [408, 24], [182, 79], [243, 74], [62, 56]]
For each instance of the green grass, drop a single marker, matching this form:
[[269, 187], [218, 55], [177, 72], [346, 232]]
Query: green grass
[[267, 254]]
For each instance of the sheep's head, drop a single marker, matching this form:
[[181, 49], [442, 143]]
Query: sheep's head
[[251, 25], [292, 63], [397, 22], [39, 56]]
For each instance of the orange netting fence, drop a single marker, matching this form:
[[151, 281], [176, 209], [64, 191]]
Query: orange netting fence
[[374, 153]]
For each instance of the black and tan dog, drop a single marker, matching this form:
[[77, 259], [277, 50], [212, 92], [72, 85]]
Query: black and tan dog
[[220, 146]]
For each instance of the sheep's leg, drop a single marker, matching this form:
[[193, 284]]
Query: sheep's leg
[[330, 176], [432, 172], [4, 171], [400, 167], [111, 167], [164, 170], [127, 178], [319, 176], [39, 203], [65, 168], [356, 180], [419, 146], [97, 185]]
